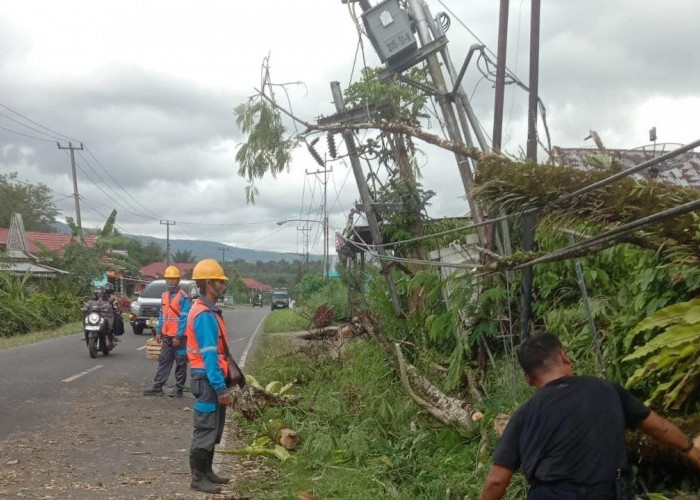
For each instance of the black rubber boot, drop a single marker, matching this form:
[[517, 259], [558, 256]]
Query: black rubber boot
[[198, 465], [211, 475]]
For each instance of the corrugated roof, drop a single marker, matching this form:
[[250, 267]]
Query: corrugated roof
[[157, 269], [253, 283], [682, 170], [53, 241]]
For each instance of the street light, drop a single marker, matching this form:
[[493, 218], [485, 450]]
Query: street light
[[325, 239]]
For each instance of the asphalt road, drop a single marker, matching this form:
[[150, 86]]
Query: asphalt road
[[73, 422]]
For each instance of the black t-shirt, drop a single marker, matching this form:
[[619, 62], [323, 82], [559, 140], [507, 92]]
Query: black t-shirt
[[572, 430]]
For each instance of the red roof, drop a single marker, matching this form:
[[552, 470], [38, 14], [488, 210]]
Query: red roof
[[53, 241], [157, 269], [252, 283]]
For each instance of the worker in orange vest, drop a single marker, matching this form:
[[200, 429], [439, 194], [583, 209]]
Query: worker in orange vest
[[170, 333], [214, 371]]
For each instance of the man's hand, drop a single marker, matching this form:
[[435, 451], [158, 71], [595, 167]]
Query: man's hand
[[159, 337], [225, 399], [177, 342], [693, 455]]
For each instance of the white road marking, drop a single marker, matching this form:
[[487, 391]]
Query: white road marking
[[141, 348], [78, 375], [241, 363]]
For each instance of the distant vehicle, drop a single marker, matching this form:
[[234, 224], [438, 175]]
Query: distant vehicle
[[280, 300], [145, 310], [258, 300]]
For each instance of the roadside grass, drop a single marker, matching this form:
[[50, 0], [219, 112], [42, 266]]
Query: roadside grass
[[285, 320], [361, 435], [34, 337]]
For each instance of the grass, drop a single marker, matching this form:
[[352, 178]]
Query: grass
[[285, 320], [34, 337], [361, 436]]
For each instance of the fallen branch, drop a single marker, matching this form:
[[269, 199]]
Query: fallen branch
[[448, 410], [282, 435], [249, 399]]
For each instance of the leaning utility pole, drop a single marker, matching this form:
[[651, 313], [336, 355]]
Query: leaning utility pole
[[500, 76], [76, 196], [325, 172], [366, 199], [167, 223]]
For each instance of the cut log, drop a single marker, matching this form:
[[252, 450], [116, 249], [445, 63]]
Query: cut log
[[281, 434], [448, 410], [249, 399], [642, 449]]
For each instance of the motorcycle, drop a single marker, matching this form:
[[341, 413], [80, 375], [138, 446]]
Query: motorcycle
[[98, 336]]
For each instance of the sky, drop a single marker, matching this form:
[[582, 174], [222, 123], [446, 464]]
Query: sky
[[150, 87]]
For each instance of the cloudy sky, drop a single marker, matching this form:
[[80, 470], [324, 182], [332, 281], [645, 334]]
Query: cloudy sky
[[149, 88]]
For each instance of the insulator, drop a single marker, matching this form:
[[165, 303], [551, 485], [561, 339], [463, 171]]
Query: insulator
[[443, 20], [332, 150], [315, 154], [314, 141]]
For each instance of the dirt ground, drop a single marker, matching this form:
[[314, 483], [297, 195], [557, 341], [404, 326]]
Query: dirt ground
[[116, 444]]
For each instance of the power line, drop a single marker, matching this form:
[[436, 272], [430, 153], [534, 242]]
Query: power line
[[65, 137], [31, 128], [27, 135]]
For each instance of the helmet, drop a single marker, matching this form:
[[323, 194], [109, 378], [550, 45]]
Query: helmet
[[208, 269], [99, 289], [109, 287], [172, 272]]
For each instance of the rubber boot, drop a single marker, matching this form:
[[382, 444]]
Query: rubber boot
[[211, 475], [198, 466], [153, 392]]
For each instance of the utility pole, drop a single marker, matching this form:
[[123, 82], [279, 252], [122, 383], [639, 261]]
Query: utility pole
[[325, 214], [76, 196], [167, 223], [500, 75], [223, 253], [529, 220], [366, 198], [305, 239]]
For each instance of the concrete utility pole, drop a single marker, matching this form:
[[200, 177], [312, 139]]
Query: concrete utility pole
[[366, 198], [500, 75], [529, 220], [223, 253], [305, 244], [324, 172], [167, 223], [76, 196], [448, 111]]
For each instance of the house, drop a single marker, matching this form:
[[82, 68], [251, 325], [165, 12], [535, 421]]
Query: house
[[681, 170], [156, 270], [255, 286], [38, 241], [18, 253]]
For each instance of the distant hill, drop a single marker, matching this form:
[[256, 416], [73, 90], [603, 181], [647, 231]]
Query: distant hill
[[202, 249]]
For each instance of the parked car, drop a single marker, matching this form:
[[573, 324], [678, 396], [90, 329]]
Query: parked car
[[145, 310], [280, 300]]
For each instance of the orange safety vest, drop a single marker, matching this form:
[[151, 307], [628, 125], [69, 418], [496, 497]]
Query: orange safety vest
[[170, 310], [193, 352]]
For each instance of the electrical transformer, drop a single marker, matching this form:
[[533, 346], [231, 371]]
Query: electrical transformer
[[389, 29]]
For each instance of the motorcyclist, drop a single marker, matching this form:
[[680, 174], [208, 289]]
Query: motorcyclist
[[118, 319], [102, 304]]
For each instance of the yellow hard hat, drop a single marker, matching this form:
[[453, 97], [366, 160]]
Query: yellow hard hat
[[208, 269], [172, 272]]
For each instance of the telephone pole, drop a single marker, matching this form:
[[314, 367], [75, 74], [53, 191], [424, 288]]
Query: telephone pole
[[167, 223], [366, 199], [305, 240], [76, 196], [223, 253], [325, 215]]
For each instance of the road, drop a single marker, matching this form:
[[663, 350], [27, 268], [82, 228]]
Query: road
[[80, 427]]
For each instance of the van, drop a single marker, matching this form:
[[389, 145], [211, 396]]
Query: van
[[146, 309]]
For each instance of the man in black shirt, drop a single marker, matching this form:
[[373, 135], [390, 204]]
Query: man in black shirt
[[569, 438]]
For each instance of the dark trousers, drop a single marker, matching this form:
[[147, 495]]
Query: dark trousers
[[168, 355], [209, 415]]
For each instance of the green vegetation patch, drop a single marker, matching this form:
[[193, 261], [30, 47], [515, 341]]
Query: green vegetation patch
[[286, 320], [361, 436], [34, 337]]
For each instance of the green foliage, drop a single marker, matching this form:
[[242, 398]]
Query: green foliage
[[33, 201], [183, 256], [83, 264], [361, 434], [309, 285], [267, 149], [334, 293], [672, 355], [108, 229], [286, 320], [23, 308]]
